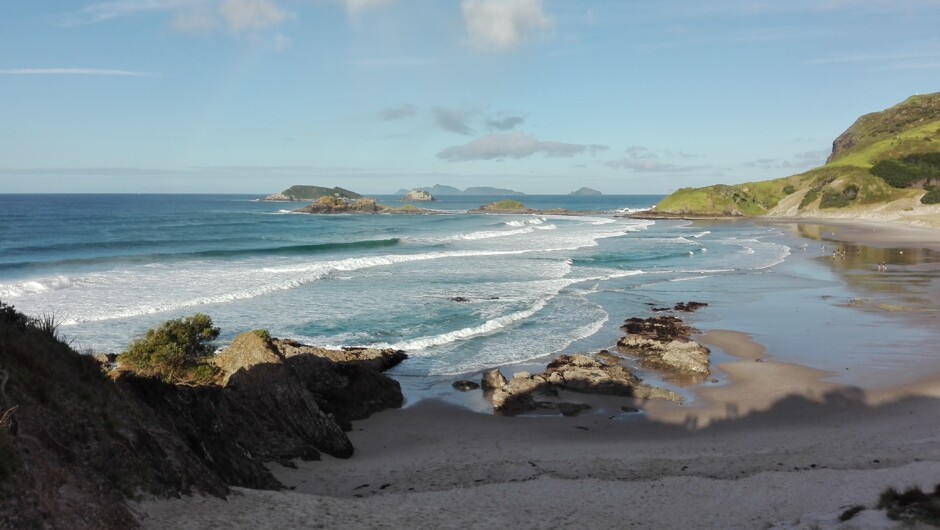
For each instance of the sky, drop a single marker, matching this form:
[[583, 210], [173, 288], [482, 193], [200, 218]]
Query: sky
[[540, 96]]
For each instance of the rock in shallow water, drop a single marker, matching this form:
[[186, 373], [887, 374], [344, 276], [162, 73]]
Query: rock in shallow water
[[465, 386], [664, 343]]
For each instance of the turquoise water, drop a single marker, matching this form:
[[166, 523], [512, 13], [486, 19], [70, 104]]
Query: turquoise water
[[111, 266]]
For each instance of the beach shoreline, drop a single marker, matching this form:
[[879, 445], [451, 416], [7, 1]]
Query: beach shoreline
[[801, 447]]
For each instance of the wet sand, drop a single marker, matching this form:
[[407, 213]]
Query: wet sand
[[774, 444]]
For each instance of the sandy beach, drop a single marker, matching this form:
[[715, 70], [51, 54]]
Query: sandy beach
[[772, 444]]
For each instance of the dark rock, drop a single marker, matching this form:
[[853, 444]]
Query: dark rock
[[459, 299], [629, 409], [493, 380], [664, 343], [572, 409], [689, 307], [465, 386]]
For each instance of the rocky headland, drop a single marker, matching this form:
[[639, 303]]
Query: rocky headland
[[77, 438]]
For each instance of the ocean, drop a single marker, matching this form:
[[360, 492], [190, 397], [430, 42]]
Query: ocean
[[458, 292]]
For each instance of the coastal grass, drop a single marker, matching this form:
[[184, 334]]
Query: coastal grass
[[922, 139], [508, 205], [912, 505], [9, 462]]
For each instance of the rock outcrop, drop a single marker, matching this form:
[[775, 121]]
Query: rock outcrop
[[418, 196], [664, 343], [602, 374], [493, 380]]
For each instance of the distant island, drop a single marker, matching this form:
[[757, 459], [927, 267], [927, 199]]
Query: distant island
[[439, 190], [337, 205], [418, 196], [307, 193], [885, 166], [586, 192]]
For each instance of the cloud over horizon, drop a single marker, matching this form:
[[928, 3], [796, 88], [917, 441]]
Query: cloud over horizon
[[499, 25], [514, 145]]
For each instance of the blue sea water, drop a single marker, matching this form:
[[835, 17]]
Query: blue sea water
[[111, 266]]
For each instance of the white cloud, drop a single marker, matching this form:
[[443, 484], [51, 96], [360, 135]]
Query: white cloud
[[397, 113], [504, 123], [75, 71], [190, 15], [499, 146], [453, 120], [497, 25], [251, 14], [357, 6], [648, 165]]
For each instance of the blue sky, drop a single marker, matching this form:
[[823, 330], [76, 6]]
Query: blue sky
[[542, 96]]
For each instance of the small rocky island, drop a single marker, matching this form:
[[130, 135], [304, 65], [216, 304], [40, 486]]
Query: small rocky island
[[418, 196], [302, 193], [338, 205]]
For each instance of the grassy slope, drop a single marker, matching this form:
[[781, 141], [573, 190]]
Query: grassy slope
[[910, 127]]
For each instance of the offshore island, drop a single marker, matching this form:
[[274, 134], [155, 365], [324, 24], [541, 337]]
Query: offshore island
[[273, 432]]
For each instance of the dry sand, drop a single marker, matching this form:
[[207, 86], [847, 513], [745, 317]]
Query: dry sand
[[775, 446]]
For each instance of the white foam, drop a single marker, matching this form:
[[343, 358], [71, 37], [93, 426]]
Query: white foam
[[490, 326]]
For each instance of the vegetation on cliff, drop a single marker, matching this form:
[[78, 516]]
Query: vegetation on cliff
[[886, 157]]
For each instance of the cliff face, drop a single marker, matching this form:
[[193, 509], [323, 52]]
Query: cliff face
[[81, 442], [870, 129]]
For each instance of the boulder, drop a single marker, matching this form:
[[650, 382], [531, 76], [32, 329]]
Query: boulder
[[681, 357], [418, 196], [465, 386], [493, 379]]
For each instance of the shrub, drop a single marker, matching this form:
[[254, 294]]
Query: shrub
[[932, 196], [912, 505], [789, 189], [808, 199], [850, 192], [263, 334], [11, 318], [906, 171], [833, 199], [177, 351]]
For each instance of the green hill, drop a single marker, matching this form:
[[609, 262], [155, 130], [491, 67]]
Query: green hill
[[887, 161], [311, 193]]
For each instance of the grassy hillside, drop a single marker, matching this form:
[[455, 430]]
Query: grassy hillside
[[846, 183]]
